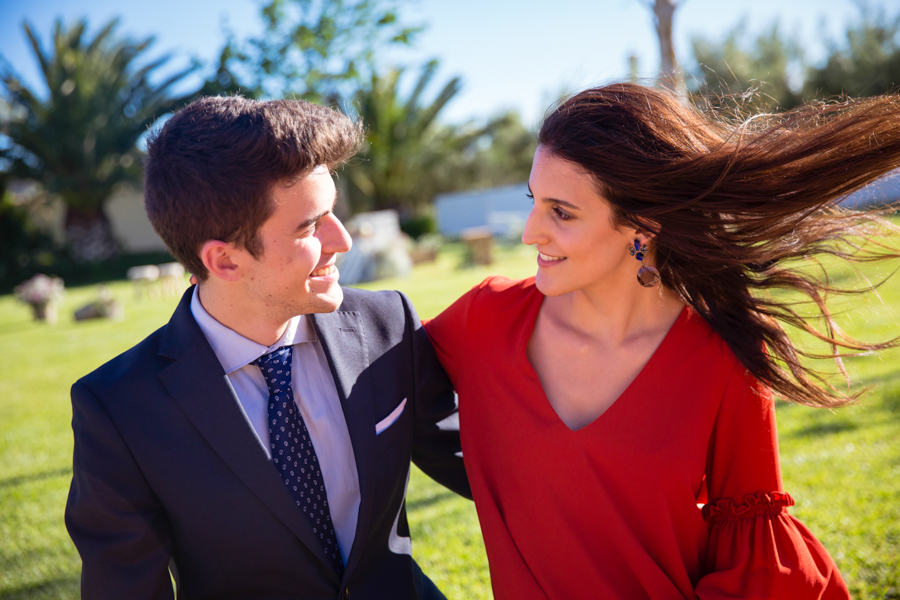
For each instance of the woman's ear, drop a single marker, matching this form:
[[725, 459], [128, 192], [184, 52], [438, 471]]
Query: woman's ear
[[644, 235], [647, 231], [221, 260]]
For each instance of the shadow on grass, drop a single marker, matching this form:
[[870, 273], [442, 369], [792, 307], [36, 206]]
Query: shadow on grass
[[13, 481], [891, 400], [412, 505], [885, 392], [59, 587], [824, 428]]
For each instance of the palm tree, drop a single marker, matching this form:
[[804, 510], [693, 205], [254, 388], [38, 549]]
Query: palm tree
[[404, 141], [410, 156], [79, 139]]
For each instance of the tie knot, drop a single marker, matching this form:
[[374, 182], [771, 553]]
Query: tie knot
[[282, 356], [276, 368]]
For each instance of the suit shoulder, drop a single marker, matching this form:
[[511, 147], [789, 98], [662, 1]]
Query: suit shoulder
[[373, 302], [129, 366], [385, 315]]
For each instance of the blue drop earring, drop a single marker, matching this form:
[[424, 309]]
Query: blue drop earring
[[647, 275]]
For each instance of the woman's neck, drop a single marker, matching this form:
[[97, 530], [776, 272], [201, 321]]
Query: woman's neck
[[614, 315]]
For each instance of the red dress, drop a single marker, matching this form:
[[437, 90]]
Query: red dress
[[610, 510]]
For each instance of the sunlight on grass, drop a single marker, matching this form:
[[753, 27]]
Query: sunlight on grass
[[842, 467]]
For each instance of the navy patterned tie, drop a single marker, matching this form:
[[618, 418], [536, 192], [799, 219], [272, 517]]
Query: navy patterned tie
[[293, 453]]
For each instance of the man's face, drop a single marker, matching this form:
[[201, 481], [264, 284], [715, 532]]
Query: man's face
[[296, 273]]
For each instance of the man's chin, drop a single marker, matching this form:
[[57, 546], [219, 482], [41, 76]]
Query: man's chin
[[329, 300]]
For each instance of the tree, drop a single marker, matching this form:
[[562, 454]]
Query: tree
[[501, 156], [770, 73], [411, 156], [224, 81], [404, 142], [80, 141], [327, 52], [867, 65], [670, 73], [314, 50], [756, 73], [22, 247]]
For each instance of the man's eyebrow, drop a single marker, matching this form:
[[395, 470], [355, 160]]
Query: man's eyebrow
[[555, 201], [310, 221]]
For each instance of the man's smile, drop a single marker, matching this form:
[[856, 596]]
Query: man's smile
[[326, 270]]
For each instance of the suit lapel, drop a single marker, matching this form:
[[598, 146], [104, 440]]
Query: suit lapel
[[197, 382], [342, 339]]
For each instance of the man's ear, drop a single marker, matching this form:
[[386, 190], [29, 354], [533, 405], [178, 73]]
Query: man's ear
[[221, 259]]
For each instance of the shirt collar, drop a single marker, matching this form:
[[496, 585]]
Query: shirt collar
[[234, 350]]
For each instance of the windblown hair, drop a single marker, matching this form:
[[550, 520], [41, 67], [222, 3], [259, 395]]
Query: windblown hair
[[738, 208], [210, 171]]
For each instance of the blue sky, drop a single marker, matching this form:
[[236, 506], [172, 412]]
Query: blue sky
[[511, 55]]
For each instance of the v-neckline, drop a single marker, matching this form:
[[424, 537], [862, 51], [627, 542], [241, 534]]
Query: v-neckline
[[522, 351]]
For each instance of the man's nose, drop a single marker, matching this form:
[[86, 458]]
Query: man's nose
[[336, 238]]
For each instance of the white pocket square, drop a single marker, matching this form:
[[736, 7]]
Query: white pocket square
[[389, 420]]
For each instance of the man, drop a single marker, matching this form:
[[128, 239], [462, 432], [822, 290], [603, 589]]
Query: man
[[258, 445]]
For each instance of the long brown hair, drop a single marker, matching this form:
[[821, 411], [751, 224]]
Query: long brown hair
[[735, 206]]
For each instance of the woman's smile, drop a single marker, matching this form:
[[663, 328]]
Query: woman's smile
[[547, 258]]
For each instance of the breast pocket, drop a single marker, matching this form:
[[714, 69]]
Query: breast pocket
[[394, 427]]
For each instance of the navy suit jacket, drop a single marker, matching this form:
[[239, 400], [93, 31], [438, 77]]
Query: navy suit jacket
[[168, 473]]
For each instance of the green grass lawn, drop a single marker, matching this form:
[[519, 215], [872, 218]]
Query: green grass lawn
[[842, 467]]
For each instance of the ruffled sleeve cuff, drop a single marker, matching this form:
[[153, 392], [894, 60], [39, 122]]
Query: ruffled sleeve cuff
[[755, 505], [758, 550]]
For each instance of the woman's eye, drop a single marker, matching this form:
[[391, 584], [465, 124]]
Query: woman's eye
[[530, 196], [561, 214]]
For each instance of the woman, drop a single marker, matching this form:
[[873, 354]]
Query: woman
[[598, 409]]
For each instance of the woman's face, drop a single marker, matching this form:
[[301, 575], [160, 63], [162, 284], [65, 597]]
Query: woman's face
[[571, 226]]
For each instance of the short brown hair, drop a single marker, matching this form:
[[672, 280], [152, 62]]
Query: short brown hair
[[210, 169]]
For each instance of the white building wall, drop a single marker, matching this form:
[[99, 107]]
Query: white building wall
[[879, 193], [130, 225], [503, 209], [125, 210], [506, 208]]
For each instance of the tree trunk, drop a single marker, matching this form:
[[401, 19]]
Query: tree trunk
[[89, 235], [670, 74]]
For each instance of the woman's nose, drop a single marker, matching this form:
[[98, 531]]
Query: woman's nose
[[532, 234]]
